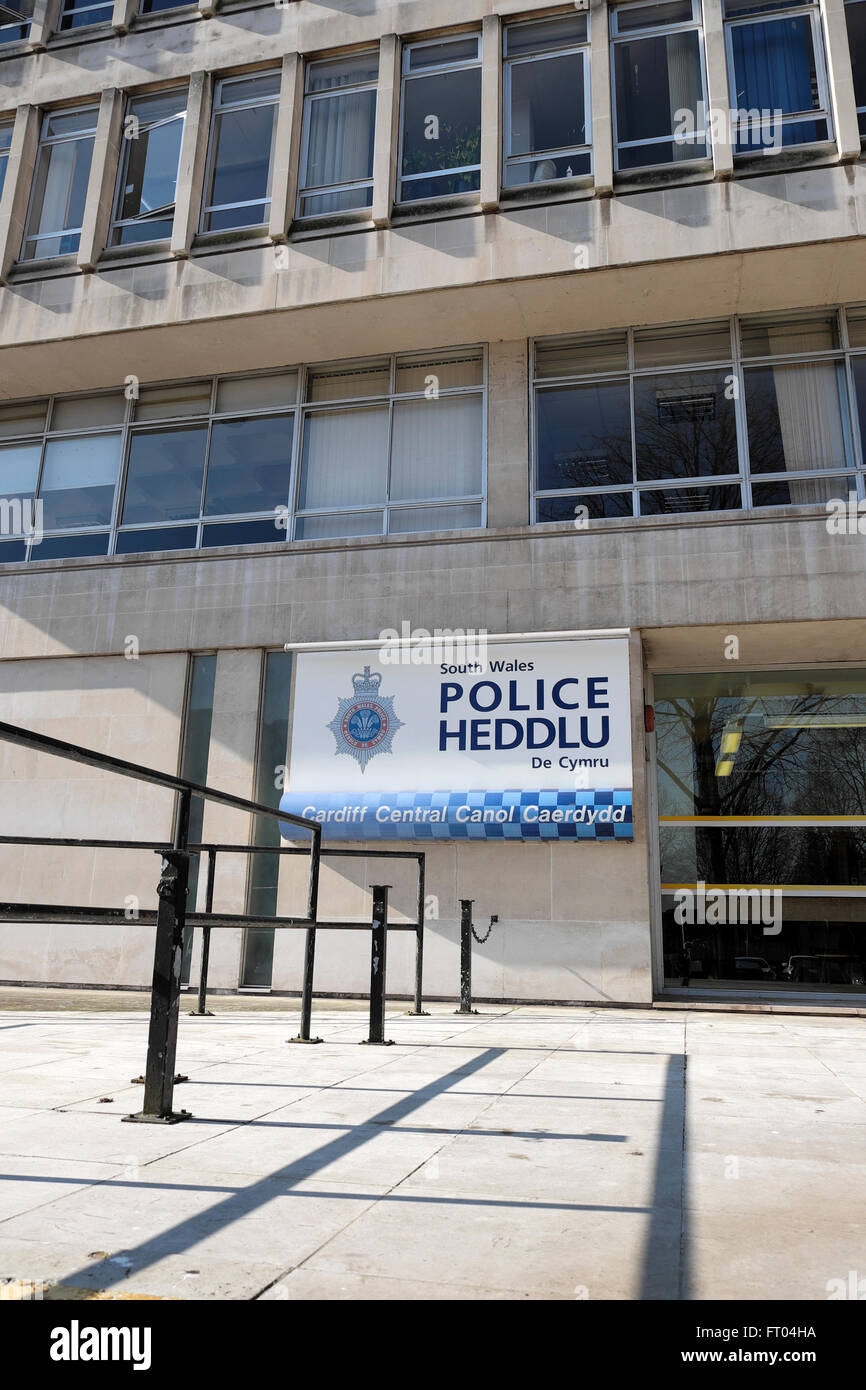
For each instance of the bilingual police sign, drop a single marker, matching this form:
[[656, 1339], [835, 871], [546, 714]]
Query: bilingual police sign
[[533, 742]]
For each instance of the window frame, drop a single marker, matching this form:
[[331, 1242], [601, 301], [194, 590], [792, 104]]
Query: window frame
[[46, 141], [508, 64], [6, 126], [67, 12], [218, 109], [695, 24], [796, 8], [319, 190], [436, 69]]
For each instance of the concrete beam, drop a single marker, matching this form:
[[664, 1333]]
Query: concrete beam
[[508, 473], [717, 90], [386, 140], [602, 113], [103, 176], [287, 146], [44, 21], [191, 169], [841, 80], [16, 188], [491, 111], [123, 15]]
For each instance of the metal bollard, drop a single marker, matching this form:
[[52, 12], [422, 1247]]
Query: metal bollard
[[419, 1010], [167, 961], [307, 990], [466, 957], [378, 967]]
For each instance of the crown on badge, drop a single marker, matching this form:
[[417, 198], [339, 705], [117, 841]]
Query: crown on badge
[[366, 684]]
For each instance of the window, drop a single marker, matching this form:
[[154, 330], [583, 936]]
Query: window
[[337, 145], [413, 430], [75, 14], [776, 74], [440, 152], [147, 179], [5, 142], [60, 184], [157, 6], [547, 101], [238, 184], [390, 445], [660, 98], [855, 14], [749, 413]]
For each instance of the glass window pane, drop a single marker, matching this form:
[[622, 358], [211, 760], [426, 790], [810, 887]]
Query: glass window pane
[[344, 459], [257, 392], [795, 416], [22, 417], [5, 142], [597, 505], [584, 436], [762, 743], [647, 16], [243, 533], [77, 13], [774, 65], [579, 356], [148, 176], [675, 501], [436, 448], [685, 426], [438, 373], [855, 15], [663, 347], [323, 528], [19, 471], [340, 139], [563, 32], [248, 468], [154, 6], [87, 412], [407, 519], [448, 51], [857, 328], [70, 547], [156, 538], [347, 200], [78, 478], [349, 382], [563, 166], [547, 104], [800, 492], [658, 82], [59, 192], [168, 402], [164, 475], [342, 72], [242, 167], [763, 338], [453, 141], [858, 365]]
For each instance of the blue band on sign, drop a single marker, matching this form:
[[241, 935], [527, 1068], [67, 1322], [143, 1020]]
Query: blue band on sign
[[470, 815]]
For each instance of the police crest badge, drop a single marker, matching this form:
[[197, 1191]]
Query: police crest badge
[[365, 723]]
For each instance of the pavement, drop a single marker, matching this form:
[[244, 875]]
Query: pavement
[[522, 1153]]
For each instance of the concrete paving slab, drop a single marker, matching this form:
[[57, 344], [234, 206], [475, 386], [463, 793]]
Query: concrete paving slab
[[525, 1153]]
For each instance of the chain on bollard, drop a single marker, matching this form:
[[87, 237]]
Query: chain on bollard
[[467, 932]]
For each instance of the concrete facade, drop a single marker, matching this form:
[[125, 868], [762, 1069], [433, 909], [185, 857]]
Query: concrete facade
[[774, 234]]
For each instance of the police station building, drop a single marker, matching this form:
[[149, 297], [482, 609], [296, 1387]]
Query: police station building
[[448, 422]]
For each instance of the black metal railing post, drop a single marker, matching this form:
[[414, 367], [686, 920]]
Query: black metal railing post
[[466, 957], [419, 944], [167, 964], [202, 1011], [310, 944], [378, 965]]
